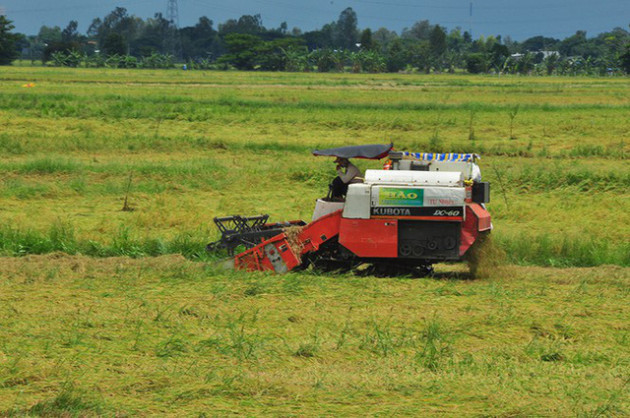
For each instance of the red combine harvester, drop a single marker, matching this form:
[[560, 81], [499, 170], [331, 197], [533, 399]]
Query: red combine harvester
[[424, 208]]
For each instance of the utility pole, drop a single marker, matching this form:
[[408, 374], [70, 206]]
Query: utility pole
[[172, 13], [470, 21], [173, 44]]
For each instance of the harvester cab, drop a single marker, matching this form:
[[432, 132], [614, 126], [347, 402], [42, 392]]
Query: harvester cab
[[421, 209]]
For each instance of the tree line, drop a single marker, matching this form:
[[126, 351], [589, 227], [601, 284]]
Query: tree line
[[123, 40]]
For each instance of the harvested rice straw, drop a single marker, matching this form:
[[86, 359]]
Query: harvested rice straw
[[486, 259], [292, 234]]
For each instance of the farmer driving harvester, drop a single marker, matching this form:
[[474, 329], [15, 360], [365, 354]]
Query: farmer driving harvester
[[339, 186], [348, 173]]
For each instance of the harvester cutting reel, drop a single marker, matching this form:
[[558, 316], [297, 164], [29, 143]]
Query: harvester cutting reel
[[246, 231]]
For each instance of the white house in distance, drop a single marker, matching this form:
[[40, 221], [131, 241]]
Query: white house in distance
[[545, 54]]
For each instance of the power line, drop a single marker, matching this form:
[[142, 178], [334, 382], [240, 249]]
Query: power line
[[285, 6], [408, 5], [420, 5], [81, 7]]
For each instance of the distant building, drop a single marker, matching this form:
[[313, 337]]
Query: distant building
[[540, 54], [547, 54]]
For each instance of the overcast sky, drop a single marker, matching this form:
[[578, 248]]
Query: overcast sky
[[519, 19]]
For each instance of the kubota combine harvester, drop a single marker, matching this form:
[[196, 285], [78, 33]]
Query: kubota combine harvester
[[421, 209]]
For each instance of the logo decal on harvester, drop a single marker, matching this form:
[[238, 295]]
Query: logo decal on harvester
[[452, 212], [418, 211], [391, 211], [390, 196]]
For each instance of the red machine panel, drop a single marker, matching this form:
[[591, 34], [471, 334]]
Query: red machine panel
[[482, 215], [370, 237], [477, 220], [275, 254], [319, 231]]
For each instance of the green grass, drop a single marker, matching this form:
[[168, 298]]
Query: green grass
[[524, 249], [84, 336]]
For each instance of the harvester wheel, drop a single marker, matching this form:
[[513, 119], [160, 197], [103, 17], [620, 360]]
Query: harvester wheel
[[405, 250], [328, 258], [450, 243]]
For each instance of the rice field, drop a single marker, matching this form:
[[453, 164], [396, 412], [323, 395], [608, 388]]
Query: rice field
[[105, 311]]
